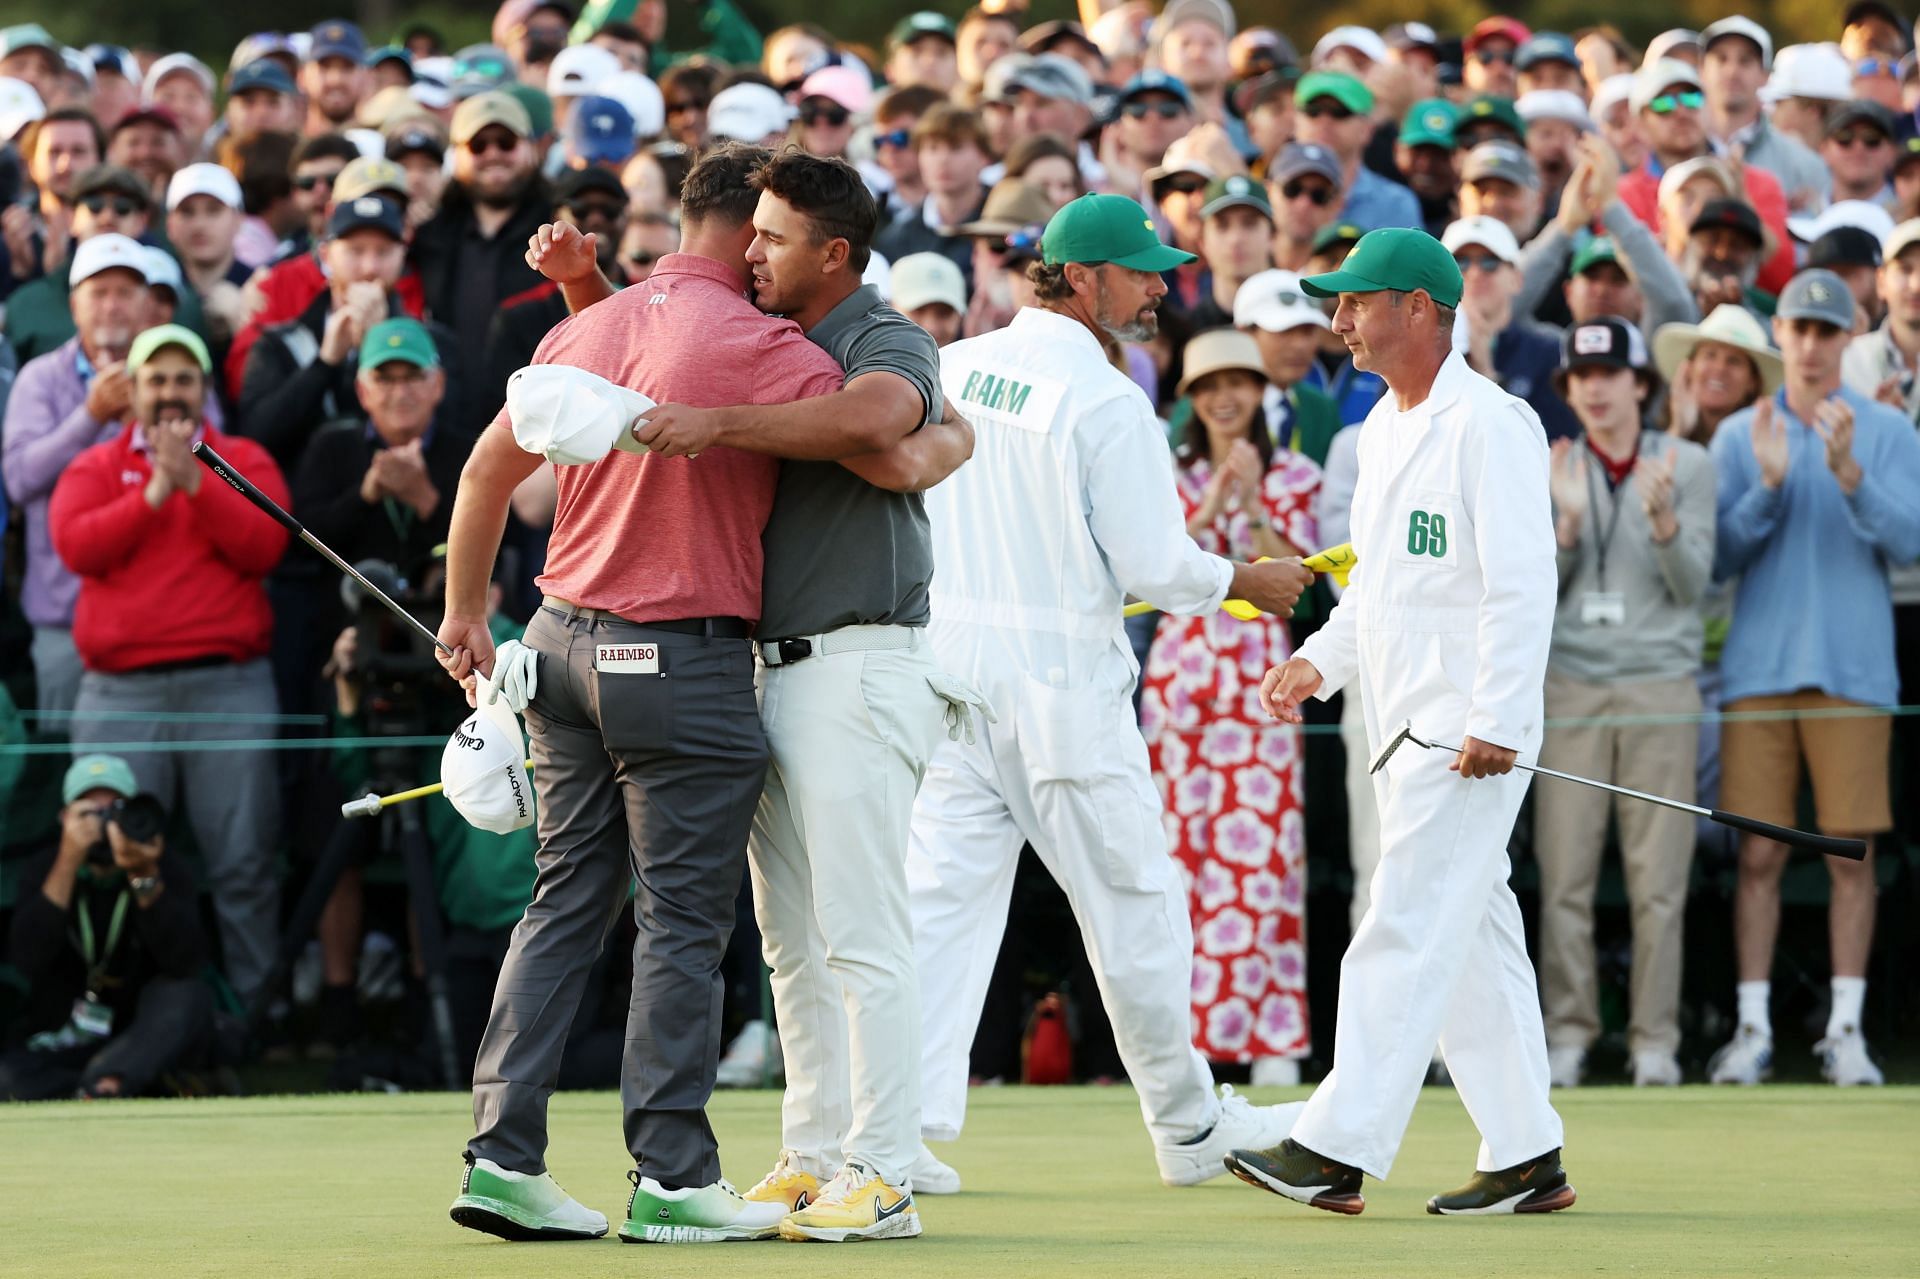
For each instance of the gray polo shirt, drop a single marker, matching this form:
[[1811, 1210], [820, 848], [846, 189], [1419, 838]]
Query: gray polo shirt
[[840, 552]]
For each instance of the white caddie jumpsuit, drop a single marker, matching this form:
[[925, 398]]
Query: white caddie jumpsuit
[[1067, 506], [1445, 622]]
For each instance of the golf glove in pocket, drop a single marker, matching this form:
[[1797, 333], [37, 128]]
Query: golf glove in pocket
[[516, 675], [962, 701]]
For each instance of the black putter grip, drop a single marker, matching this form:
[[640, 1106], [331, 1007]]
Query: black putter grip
[[1832, 845], [244, 487]]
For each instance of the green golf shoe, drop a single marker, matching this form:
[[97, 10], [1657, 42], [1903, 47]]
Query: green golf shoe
[[1291, 1170], [520, 1206], [1538, 1185], [703, 1214]]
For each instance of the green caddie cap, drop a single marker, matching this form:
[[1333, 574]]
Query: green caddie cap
[[1339, 86], [1490, 106], [399, 339], [1429, 123], [160, 335], [1597, 249], [1108, 228], [1393, 258], [98, 772], [1336, 233]]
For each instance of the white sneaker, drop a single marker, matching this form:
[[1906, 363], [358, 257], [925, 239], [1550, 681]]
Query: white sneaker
[[1747, 1058], [1655, 1069], [929, 1176], [1275, 1072], [1844, 1060], [752, 1059], [1240, 1126], [521, 1205], [1566, 1065]]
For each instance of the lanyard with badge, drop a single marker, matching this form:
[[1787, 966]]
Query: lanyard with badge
[[91, 1020], [1604, 607]]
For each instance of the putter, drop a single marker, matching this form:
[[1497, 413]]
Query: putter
[[244, 487], [1832, 846], [371, 805]]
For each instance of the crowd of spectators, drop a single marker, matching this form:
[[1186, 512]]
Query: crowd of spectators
[[1697, 259]]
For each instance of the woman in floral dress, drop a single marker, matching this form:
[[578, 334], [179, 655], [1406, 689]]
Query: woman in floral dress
[[1229, 775]]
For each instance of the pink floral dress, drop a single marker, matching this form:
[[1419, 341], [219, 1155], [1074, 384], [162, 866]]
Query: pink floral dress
[[1229, 778]]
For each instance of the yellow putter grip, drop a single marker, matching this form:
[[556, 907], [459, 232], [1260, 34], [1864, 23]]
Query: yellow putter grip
[[1335, 560], [421, 792]]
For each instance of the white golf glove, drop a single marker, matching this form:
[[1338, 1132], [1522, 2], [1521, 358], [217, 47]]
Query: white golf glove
[[962, 700], [516, 675]]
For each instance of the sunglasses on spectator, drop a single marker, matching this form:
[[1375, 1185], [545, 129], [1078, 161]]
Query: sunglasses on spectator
[[97, 203], [603, 209], [309, 181], [1026, 240], [485, 142], [1320, 195], [1166, 110], [486, 68], [830, 114], [1326, 107], [1487, 57], [897, 139], [1871, 139], [406, 376], [640, 259], [1184, 184], [683, 106], [1875, 66], [1667, 103], [1478, 262]]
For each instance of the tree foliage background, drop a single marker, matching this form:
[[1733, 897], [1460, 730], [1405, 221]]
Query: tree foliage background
[[212, 30]]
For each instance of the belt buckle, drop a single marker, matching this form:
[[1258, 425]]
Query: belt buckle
[[794, 650]]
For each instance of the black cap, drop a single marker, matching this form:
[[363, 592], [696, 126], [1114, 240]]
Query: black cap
[[1734, 215], [573, 183], [1906, 141], [408, 137], [114, 179], [1845, 246], [368, 213], [1859, 111], [1607, 341]]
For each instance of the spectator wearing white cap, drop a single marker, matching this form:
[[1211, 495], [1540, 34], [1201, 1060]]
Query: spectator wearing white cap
[[750, 113], [183, 85], [1682, 44], [1354, 50], [577, 72], [1288, 327], [1189, 42], [1503, 345], [1807, 81], [1738, 54], [928, 290], [204, 208]]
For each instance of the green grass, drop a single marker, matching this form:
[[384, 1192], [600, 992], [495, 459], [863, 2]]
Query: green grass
[[1775, 1181]]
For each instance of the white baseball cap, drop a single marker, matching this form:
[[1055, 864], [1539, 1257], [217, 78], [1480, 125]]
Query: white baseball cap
[[1656, 78], [1362, 40], [1663, 45], [1487, 233], [748, 112], [572, 417], [104, 253], [163, 270], [483, 767], [1745, 27], [1274, 301], [174, 64], [1809, 71], [578, 70], [920, 279], [641, 97], [20, 106], [204, 179], [1902, 238], [1864, 214], [1554, 104], [1611, 91]]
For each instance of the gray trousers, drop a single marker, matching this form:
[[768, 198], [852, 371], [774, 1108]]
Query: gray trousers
[[56, 674], [643, 779], [232, 797]]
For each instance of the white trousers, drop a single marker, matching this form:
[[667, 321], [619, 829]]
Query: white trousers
[[1067, 773], [1363, 806], [850, 735], [1439, 958]]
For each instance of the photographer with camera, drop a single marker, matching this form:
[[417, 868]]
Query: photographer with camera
[[111, 948]]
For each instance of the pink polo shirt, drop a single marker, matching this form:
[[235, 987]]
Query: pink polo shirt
[[656, 538]]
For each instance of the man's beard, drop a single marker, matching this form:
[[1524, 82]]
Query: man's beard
[[1133, 328], [503, 199]]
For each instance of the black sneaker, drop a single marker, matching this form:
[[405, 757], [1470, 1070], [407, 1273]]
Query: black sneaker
[[1290, 1169], [1538, 1185]]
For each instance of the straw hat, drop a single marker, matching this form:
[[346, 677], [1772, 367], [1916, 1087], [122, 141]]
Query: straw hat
[[1729, 325], [1219, 349]]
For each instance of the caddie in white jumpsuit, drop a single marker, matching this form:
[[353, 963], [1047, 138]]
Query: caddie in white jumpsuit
[[1067, 507], [1445, 623]]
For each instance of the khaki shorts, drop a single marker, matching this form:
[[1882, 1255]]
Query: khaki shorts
[[1846, 756]]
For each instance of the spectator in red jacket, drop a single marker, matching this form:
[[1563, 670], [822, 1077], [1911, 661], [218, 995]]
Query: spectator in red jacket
[[173, 621]]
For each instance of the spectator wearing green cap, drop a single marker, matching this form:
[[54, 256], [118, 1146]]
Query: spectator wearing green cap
[[1333, 110], [921, 49], [1424, 154], [173, 626], [108, 938], [1454, 534], [1622, 272]]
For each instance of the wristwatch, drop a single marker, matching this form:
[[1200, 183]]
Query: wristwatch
[[145, 885]]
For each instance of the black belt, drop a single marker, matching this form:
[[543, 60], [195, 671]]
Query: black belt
[[707, 627], [184, 664]]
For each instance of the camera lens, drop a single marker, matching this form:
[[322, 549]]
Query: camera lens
[[140, 819]]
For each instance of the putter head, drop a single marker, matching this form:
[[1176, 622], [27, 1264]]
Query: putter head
[[1399, 736], [365, 806]]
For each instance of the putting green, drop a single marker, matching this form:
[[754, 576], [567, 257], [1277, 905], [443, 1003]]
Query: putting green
[[1774, 1181]]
